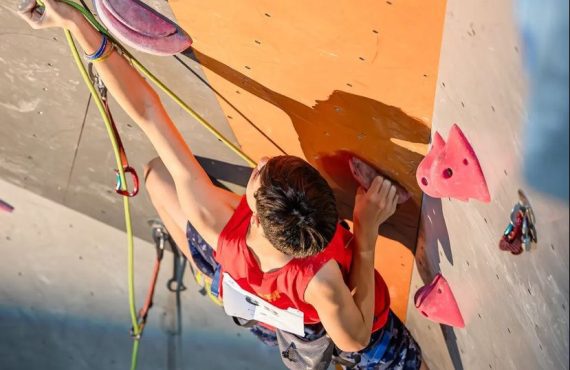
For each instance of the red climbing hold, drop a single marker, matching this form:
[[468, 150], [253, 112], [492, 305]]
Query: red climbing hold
[[423, 172], [437, 303], [141, 27], [6, 207], [140, 18], [454, 170], [364, 173]]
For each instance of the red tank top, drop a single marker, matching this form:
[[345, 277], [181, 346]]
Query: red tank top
[[285, 287]]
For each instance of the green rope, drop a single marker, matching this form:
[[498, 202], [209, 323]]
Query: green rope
[[127, 210], [114, 142], [193, 113]]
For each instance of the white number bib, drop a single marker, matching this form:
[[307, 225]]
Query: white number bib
[[242, 304]]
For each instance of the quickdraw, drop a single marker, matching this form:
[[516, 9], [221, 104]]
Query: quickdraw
[[520, 234], [160, 236], [120, 188]]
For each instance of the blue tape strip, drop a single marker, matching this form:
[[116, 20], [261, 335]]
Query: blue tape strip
[[215, 288]]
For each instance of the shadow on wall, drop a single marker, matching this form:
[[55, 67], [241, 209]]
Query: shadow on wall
[[354, 124], [34, 338], [219, 170], [428, 260]]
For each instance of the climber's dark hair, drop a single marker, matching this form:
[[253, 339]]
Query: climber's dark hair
[[295, 206]]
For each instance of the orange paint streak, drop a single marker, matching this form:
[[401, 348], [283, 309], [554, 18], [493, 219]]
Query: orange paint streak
[[322, 77]]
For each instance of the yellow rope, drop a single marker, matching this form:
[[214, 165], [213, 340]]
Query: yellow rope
[[128, 222], [114, 142], [190, 111]]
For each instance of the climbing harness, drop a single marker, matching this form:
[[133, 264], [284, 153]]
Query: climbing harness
[[520, 234]]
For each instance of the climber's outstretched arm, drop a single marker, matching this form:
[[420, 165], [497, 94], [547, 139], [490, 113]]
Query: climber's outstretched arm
[[207, 207]]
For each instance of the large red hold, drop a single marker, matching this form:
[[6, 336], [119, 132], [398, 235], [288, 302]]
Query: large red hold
[[140, 18], [436, 302], [139, 26], [453, 170]]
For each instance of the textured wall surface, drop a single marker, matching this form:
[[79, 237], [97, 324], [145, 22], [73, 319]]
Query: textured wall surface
[[515, 307], [64, 303]]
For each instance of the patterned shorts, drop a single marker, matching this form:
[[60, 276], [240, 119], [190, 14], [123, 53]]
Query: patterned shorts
[[390, 348]]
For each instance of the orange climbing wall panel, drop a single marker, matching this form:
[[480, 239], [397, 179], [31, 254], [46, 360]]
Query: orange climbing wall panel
[[321, 80]]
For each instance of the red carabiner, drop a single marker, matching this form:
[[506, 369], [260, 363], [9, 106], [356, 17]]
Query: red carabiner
[[134, 176]]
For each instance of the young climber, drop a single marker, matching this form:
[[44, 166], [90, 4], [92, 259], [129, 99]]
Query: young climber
[[281, 241]]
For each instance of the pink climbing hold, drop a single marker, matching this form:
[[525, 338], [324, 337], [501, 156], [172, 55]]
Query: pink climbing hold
[[453, 170], [137, 25], [423, 173], [140, 18], [437, 303], [6, 207]]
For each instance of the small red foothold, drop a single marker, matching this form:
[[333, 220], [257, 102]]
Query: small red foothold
[[436, 302], [453, 170], [6, 207], [423, 172]]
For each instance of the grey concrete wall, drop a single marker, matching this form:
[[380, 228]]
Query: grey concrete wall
[[515, 307], [64, 303], [43, 103]]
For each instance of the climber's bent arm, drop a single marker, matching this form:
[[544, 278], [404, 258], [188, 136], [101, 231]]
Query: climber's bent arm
[[206, 206]]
